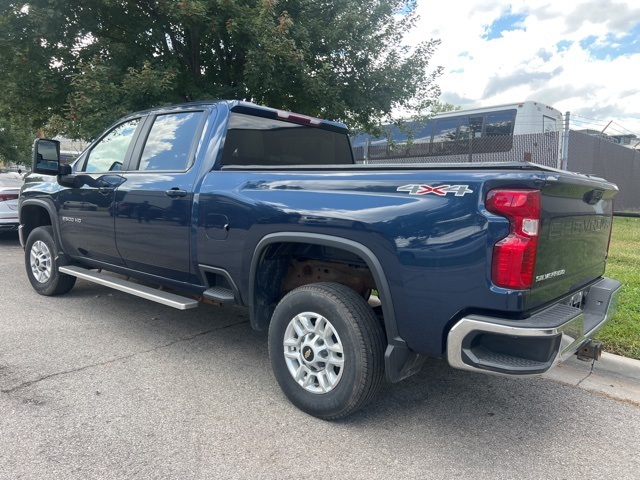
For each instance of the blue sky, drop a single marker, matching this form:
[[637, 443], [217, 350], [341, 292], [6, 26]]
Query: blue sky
[[507, 22], [581, 56]]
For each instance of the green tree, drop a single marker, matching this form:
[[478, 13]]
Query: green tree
[[73, 66], [440, 107]]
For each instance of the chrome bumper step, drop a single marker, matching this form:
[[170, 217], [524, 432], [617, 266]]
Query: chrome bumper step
[[531, 346]]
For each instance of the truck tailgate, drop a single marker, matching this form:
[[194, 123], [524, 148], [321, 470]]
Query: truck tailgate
[[576, 220]]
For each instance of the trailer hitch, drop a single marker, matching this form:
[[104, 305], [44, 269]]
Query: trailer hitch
[[590, 351]]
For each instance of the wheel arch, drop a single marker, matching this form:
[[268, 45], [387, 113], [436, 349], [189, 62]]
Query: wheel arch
[[35, 212], [260, 316], [400, 361]]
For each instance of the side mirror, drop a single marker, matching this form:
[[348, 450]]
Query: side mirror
[[46, 156]]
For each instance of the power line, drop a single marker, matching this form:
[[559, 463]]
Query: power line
[[595, 120], [606, 124], [623, 127]]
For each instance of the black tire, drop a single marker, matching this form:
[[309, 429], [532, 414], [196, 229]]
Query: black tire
[[347, 324], [40, 261]]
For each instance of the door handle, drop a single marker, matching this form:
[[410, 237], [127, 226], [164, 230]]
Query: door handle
[[105, 187], [175, 192]]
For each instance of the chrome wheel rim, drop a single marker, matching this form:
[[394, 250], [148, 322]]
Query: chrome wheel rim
[[313, 353], [40, 259]]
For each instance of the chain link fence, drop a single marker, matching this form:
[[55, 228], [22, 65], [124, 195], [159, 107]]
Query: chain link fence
[[585, 154], [541, 148]]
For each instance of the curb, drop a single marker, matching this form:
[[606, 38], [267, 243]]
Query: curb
[[613, 376]]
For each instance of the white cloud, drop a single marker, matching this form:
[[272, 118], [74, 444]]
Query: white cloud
[[576, 55]]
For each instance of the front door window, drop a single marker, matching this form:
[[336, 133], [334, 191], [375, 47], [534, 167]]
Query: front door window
[[110, 152]]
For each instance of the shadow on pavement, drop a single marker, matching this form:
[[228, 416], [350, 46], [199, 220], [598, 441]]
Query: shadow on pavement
[[9, 238]]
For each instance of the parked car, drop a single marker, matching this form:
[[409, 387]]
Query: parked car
[[10, 183]]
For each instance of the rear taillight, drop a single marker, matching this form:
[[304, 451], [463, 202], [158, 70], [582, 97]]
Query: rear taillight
[[8, 196], [514, 257]]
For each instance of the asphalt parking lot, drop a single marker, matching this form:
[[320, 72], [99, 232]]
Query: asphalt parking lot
[[99, 384]]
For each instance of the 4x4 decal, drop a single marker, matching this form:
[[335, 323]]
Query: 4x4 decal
[[441, 190]]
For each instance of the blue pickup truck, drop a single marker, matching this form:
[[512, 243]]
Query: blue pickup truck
[[359, 272]]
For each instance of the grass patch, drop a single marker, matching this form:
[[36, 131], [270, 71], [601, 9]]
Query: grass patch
[[622, 334]]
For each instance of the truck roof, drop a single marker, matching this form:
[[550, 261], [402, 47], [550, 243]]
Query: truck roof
[[240, 106]]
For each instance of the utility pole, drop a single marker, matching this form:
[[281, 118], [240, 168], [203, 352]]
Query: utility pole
[[564, 161], [366, 149]]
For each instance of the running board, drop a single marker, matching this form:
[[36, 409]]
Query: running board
[[153, 294]]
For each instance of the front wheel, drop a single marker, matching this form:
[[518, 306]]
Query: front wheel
[[43, 274], [327, 349]]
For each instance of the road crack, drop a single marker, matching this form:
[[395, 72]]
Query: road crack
[[589, 374], [114, 360]]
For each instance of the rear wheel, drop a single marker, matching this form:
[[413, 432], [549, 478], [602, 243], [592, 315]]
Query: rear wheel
[[327, 349], [40, 251]]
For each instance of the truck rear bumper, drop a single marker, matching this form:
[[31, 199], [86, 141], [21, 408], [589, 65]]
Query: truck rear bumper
[[533, 345]]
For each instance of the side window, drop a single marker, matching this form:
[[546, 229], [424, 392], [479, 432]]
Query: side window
[[548, 124], [464, 130], [470, 127], [445, 130], [169, 142], [424, 134], [476, 124], [499, 123], [110, 152]]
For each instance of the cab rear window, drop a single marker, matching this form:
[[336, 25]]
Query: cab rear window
[[255, 140]]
